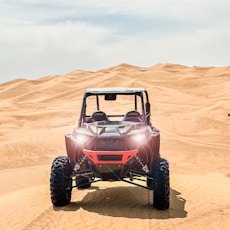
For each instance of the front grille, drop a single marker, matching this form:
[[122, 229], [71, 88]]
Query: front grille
[[109, 157], [108, 144]]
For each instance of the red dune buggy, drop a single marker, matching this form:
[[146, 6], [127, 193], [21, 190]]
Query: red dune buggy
[[113, 141]]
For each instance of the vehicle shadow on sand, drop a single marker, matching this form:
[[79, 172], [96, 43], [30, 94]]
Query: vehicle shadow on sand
[[127, 201]]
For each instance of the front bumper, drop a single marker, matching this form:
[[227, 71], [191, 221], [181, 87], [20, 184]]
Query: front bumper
[[110, 157]]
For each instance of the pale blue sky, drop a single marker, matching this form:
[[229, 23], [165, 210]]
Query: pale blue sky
[[45, 37]]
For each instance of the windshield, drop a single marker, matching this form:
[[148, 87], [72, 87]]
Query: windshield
[[113, 108]]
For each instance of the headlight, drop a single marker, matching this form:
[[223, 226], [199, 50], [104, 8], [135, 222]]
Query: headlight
[[81, 139], [139, 138]]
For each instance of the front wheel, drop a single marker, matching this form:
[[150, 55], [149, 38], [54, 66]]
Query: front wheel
[[60, 181], [161, 192]]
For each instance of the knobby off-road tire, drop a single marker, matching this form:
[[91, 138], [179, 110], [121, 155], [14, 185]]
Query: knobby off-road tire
[[161, 185], [60, 182]]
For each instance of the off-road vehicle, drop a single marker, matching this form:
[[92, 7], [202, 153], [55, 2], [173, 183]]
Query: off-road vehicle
[[113, 141]]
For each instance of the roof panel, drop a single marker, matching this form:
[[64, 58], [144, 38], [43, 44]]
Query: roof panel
[[115, 90]]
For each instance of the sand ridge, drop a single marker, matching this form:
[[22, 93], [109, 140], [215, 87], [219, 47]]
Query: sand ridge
[[190, 105]]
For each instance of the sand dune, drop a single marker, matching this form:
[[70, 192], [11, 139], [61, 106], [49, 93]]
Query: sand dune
[[190, 105]]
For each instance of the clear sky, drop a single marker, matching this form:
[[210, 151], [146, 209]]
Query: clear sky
[[45, 37]]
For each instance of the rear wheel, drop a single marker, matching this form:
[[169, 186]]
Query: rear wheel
[[60, 181], [161, 196]]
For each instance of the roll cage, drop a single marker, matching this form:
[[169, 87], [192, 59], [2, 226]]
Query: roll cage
[[110, 94]]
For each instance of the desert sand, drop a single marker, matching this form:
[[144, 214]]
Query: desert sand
[[190, 105]]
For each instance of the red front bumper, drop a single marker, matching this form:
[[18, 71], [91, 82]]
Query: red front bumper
[[110, 157]]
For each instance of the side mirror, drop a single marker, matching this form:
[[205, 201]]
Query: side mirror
[[147, 109]]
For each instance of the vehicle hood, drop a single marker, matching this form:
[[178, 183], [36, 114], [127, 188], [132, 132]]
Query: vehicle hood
[[117, 130]]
